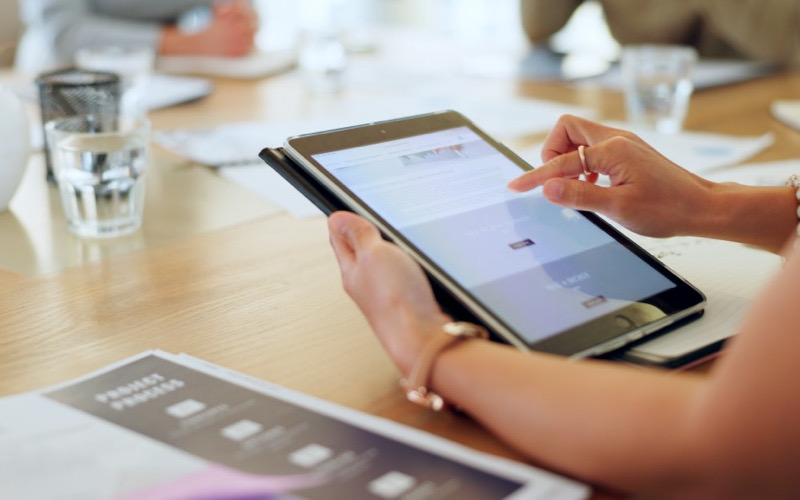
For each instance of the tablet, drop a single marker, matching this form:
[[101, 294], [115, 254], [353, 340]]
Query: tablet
[[540, 276]]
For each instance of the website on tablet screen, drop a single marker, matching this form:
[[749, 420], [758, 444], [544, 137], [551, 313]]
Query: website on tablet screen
[[542, 268]]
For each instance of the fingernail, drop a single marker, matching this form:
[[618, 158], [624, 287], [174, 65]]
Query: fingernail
[[554, 190]]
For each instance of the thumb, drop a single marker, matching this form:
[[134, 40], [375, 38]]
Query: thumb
[[349, 234], [576, 194]]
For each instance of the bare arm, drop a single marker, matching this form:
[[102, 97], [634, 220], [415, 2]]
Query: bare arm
[[230, 34], [732, 434], [629, 429], [651, 195], [606, 424]]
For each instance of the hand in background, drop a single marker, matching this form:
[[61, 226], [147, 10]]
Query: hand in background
[[387, 285], [231, 33], [648, 193], [233, 30]]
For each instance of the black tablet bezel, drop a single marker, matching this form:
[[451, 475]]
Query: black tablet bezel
[[592, 338]]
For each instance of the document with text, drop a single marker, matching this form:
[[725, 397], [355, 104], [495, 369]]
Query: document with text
[[168, 426]]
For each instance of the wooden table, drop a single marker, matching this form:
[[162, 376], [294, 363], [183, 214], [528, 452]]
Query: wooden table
[[225, 276]]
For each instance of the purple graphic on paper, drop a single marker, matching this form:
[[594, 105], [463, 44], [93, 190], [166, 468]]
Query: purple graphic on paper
[[218, 482]]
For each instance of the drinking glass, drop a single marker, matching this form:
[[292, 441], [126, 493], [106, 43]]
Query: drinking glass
[[657, 83], [75, 92], [99, 163]]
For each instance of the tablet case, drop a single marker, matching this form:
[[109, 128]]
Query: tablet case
[[328, 202]]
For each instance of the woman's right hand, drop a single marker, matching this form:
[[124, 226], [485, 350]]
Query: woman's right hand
[[648, 194]]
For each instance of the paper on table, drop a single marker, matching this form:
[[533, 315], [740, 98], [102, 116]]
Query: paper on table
[[699, 152], [203, 430], [546, 485], [716, 267], [772, 173], [265, 182], [239, 143], [706, 73], [729, 274], [168, 90], [786, 111], [234, 143], [255, 65]]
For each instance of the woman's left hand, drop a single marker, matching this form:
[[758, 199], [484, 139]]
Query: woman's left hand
[[390, 288]]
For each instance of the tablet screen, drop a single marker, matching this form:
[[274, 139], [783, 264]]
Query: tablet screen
[[541, 269]]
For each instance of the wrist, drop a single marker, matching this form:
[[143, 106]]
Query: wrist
[[763, 216], [411, 335], [700, 207], [172, 42], [416, 385], [175, 42]]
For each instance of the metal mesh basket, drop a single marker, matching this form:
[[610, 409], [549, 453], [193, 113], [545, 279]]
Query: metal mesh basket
[[76, 92]]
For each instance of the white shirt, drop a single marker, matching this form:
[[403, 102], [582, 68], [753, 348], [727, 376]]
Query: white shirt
[[55, 29]]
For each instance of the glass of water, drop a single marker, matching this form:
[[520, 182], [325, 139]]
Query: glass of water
[[657, 83], [322, 59], [99, 164]]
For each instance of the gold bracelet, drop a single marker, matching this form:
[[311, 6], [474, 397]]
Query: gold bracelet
[[416, 384]]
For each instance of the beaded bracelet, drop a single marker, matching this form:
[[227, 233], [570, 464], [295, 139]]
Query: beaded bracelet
[[794, 181]]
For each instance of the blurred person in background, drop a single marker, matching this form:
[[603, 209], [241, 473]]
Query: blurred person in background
[[766, 30], [56, 29]]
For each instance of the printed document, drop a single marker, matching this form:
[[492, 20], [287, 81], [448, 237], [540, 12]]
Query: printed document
[[169, 426]]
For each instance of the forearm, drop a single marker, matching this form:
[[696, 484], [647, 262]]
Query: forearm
[[624, 428], [760, 216], [542, 18]]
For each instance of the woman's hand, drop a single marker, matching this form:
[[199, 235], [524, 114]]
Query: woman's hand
[[233, 29], [387, 285], [648, 193], [231, 33]]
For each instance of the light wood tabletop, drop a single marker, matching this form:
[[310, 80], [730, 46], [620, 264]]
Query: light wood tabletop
[[226, 276]]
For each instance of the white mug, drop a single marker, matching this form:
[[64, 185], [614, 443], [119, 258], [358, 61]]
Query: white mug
[[14, 145]]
